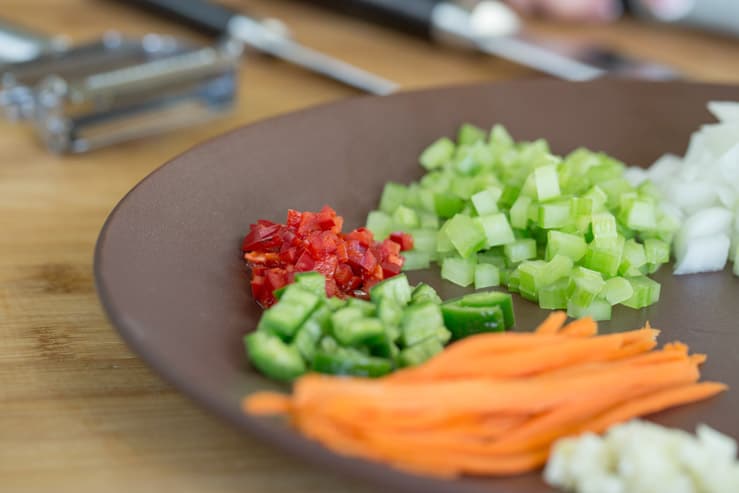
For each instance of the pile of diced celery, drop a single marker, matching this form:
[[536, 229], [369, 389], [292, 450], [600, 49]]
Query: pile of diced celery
[[570, 233]]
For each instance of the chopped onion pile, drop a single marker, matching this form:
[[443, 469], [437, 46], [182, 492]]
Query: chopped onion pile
[[702, 190], [642, 457]]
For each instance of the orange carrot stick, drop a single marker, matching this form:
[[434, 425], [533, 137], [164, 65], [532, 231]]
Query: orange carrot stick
[[552, 323], [265, 403], [653, 403], [582, 327]]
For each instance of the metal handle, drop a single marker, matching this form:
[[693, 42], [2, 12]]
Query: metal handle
[[207, 17], [411, 16]]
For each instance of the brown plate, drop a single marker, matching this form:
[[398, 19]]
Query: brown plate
[[169, 271]]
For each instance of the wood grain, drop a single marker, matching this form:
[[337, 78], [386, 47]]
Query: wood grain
[[78, 411]]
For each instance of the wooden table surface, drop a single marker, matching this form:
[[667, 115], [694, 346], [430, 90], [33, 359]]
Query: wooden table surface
[[78, 411]]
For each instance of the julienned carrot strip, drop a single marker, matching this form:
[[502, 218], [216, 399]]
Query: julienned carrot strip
[[653, 403], [582, 327], [265, 403], [536, 360], [632, 348], [552, 323]]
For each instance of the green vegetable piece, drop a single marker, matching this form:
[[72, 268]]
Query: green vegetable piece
[[496, 230], [500, 139], [385, 349], [420, 322], [617, 290], [604, 225], [307, 338], [656, 251], [509, 197], [389, 311], [314, 282], [569, 245], [423, 293], [420, 353], [597, 198], [334, 304], [458, 270], [585, 285], [395, 288], [295, 306], [350, 331], [469, 134], [437, 154], [349, 361], [405, 218], [424, 240], [393, 196], [513, 281], [447, 205], [416, 260], [380, 223], [633, 259], [273, 357], [443, 335], [547, 182], [486, 299], [559, 267], [604, 255], [641, 216], [519, 212], [368, 309], [530, 275], [463, 321], [486, 276], [555, 295], [597, 309], [328, 344], [581, 206], [443, 243], [486, 201], [494, 256], [553, 214], [466, 234], [646, 292], [429, 220], [520, 250]]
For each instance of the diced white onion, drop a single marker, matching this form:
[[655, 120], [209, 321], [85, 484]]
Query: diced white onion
[[642, 457], [704, 187]]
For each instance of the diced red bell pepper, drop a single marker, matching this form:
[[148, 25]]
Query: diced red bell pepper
[[403, 239]]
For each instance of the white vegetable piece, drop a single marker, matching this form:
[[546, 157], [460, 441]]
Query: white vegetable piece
[[642, 457], [703, 254], [704, 187], [725, 111]]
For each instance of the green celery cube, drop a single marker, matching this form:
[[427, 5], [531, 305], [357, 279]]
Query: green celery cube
[[597, 310], [467, 235], [585, 285], [646, 292], [486, 276], [553, 214], [546, 181], [393, 196], [554, 296], [520, 250], [570, 245], [604, 225], [405, 218], [437, 154], [486, 201], [380, 223], [520, 212], [469, 134], [496, 229], [459, 271]]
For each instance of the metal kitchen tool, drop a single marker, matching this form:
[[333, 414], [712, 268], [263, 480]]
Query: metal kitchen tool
[[491, 27], [82, 112], [267, 36], [18, 44], [19, 80]]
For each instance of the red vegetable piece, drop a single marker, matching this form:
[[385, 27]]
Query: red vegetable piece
[[403, 239], [305, 263]]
